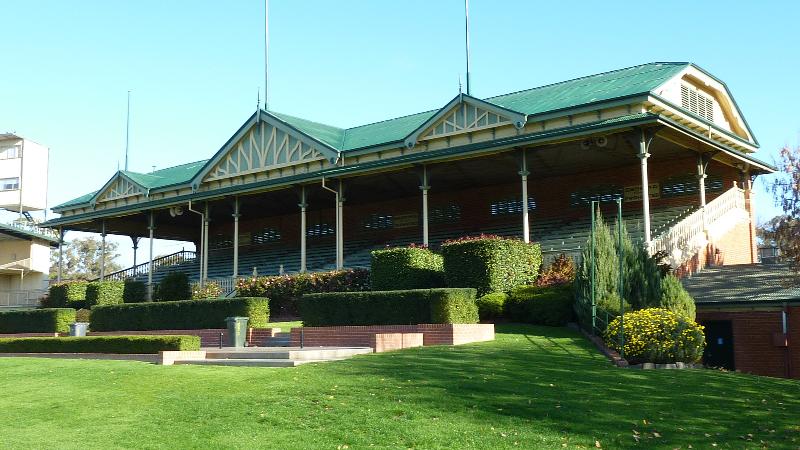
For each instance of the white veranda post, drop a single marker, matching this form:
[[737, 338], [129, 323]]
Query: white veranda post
[[303, 207], [60, 253], [425, 187], [150, 228], [204, 269], [340, 226], [236, 216], [701, 181], [103, 251], [643, 155], [526, 227]]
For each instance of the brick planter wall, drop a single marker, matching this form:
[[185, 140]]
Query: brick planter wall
[[364, 336], [208, 337]]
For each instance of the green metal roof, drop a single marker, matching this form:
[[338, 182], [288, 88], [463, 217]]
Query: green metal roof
[[743, 284], [616, 84], [594, 88]]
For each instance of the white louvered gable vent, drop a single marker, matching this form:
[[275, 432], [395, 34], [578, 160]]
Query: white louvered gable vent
[[697, 102]]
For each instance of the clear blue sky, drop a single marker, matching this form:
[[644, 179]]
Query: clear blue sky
[[194, 67]]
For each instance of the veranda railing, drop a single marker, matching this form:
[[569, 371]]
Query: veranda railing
[[162, 261], [681, 241]]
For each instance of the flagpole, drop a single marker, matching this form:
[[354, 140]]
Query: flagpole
[[266, 54], [466, 38]]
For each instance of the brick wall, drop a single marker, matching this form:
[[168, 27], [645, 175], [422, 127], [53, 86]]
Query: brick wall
[[364, 336], [208, 337], [753, 346]]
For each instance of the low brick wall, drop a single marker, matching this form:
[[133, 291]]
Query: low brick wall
[[22, 335], [364, 336], [208, 337]]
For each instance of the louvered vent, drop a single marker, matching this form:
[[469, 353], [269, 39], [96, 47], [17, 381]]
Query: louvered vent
[[696, 102]]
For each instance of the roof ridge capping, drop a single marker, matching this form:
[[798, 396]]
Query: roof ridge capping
[[585, 77]]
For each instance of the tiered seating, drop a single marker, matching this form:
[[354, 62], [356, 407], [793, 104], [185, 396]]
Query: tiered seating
[[555, 236]]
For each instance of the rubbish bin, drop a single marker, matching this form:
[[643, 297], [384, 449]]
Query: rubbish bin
[[237, 331], [78, 328]]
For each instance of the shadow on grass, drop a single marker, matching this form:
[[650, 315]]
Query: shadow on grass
[[557, 378]]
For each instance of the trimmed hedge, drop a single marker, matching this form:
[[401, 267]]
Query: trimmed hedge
[[51, 320], [389, 307], [491, 306], [70, 294], [490, 263], [406, 268], [541, 305], [180, 315], [134, 292], [100, 344], [284, 291], [174, 285], [105, 293]]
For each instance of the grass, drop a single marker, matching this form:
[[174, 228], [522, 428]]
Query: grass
[[285, 326], [533, 387]]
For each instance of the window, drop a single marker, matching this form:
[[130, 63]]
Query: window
[[697, 102], [265, 236], [379, 222], [510, 206], [10, 152], [445, 214], [320, 229], [597, 193], [9, 184], [689, 185]]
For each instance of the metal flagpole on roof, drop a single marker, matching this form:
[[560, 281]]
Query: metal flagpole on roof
[[127, 130], [266, 55], [466, 38]]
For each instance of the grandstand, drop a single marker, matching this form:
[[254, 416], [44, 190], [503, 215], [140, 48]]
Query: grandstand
[[285, 194]]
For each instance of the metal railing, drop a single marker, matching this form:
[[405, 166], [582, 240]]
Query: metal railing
[[227, 285], [685, 238], [162, 261], [21, 298], [30, 227]]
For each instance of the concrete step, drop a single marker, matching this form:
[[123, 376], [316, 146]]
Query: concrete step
[[247, 362], [287, 353]]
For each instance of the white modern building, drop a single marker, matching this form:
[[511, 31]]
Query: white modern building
[[24, 246]]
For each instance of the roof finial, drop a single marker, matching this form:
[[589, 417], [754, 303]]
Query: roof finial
[[459, 84]]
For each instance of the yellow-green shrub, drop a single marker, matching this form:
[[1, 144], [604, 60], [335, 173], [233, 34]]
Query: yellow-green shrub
[[656, 335]]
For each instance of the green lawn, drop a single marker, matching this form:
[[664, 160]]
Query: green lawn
[[285, 326], [534, 387]]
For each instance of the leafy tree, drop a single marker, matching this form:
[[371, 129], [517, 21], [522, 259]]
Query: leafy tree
[[786, 189], [81, 259], [641, 274]]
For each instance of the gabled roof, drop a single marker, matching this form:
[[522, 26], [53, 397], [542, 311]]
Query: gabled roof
[[604, 87]]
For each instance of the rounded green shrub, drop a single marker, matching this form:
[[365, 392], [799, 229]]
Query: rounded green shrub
[[406, 268], [675, 298], [541, 305], [656, 335], [174, 287], [491, 306]]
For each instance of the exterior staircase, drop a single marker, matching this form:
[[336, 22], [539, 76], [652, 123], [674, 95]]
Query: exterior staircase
[[688, 237]]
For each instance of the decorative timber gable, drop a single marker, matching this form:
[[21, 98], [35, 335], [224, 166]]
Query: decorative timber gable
[[118, 187], [262, 144], [465, 114]]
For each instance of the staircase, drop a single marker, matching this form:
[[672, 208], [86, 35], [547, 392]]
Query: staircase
[[685, 239]]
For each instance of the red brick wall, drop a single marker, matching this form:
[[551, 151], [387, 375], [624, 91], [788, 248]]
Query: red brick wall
[[552, 195], [753, 346], [208, 337]]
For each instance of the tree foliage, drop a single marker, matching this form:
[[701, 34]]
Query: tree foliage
[[785, 230], [81, 259]]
